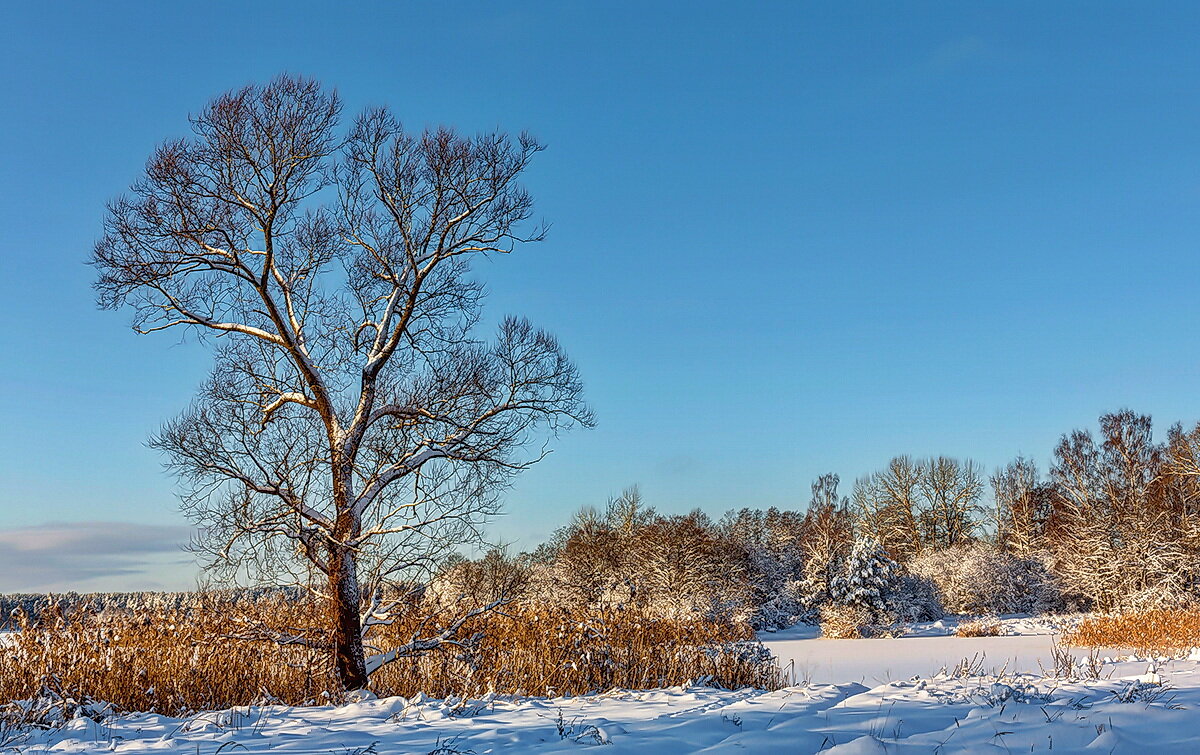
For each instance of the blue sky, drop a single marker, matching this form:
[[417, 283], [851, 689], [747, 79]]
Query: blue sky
[[787, 239]]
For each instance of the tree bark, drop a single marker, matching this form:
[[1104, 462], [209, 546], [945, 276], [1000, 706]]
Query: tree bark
[[344, 592], [344, 595]]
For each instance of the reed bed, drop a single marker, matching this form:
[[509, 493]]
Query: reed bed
[[1151, 632], [182, 660], [982, 626]]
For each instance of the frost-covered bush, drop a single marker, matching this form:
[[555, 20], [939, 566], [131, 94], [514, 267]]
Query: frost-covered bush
[[785, 608], [914, 598], [980, 578]]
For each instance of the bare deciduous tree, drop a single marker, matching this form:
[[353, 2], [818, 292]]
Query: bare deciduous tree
[[1022, 507], [827, 534], [1121, 530], [912, 505], [950, 507], [886, 507], [353, 426]]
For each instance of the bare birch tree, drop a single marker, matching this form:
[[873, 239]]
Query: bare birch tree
[[1022, 507], [1121, 531], [827, 535], [354, 426]]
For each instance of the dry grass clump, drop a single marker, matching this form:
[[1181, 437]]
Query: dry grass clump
[[839, 622], [184, 660], [1151, 632], [983, 626]]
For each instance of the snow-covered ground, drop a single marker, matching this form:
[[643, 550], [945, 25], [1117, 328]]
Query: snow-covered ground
[[860, 699], [923, 650]]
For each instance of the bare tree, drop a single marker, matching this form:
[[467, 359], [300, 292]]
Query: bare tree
[[588, 557], [353, 426], [886, 507], [912, 505], [682, 567], [1122, 529], [827, 535], [1022, 507], [950, 507], [1181, 469]]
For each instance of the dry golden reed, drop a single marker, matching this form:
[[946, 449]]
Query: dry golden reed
[[984, 626], [178, 661], [1151, 632], [840, 622]]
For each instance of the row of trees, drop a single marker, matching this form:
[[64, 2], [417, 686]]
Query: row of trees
[[768, 568], [1113, 525], [914, 505], [1116, 520]]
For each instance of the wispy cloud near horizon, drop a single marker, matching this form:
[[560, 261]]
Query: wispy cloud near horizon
[[96, 555]]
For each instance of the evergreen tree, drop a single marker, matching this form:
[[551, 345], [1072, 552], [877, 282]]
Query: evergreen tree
[[867, 577]]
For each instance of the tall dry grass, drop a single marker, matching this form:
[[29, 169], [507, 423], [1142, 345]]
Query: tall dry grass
[[981, 626], [1151, 632], [183, 660]]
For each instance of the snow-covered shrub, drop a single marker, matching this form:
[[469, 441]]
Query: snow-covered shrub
[[980, 578], [869, 580], [914, 598], [814, 590], [785, 608]]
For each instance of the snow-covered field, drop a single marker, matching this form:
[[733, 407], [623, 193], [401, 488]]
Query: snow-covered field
[[924, 650], [860, 698]]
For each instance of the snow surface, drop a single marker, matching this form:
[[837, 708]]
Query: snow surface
[[924, 649], [845, 709]]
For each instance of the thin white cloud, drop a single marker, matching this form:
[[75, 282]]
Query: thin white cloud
[[87, 556]]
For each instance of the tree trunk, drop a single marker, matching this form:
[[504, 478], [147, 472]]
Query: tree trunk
[[345, 598]]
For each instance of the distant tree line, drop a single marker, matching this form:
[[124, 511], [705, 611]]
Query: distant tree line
[[33, 605], [1114, 525]]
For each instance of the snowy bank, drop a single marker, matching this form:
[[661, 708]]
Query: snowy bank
[[1132, 709], [976, 714]]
